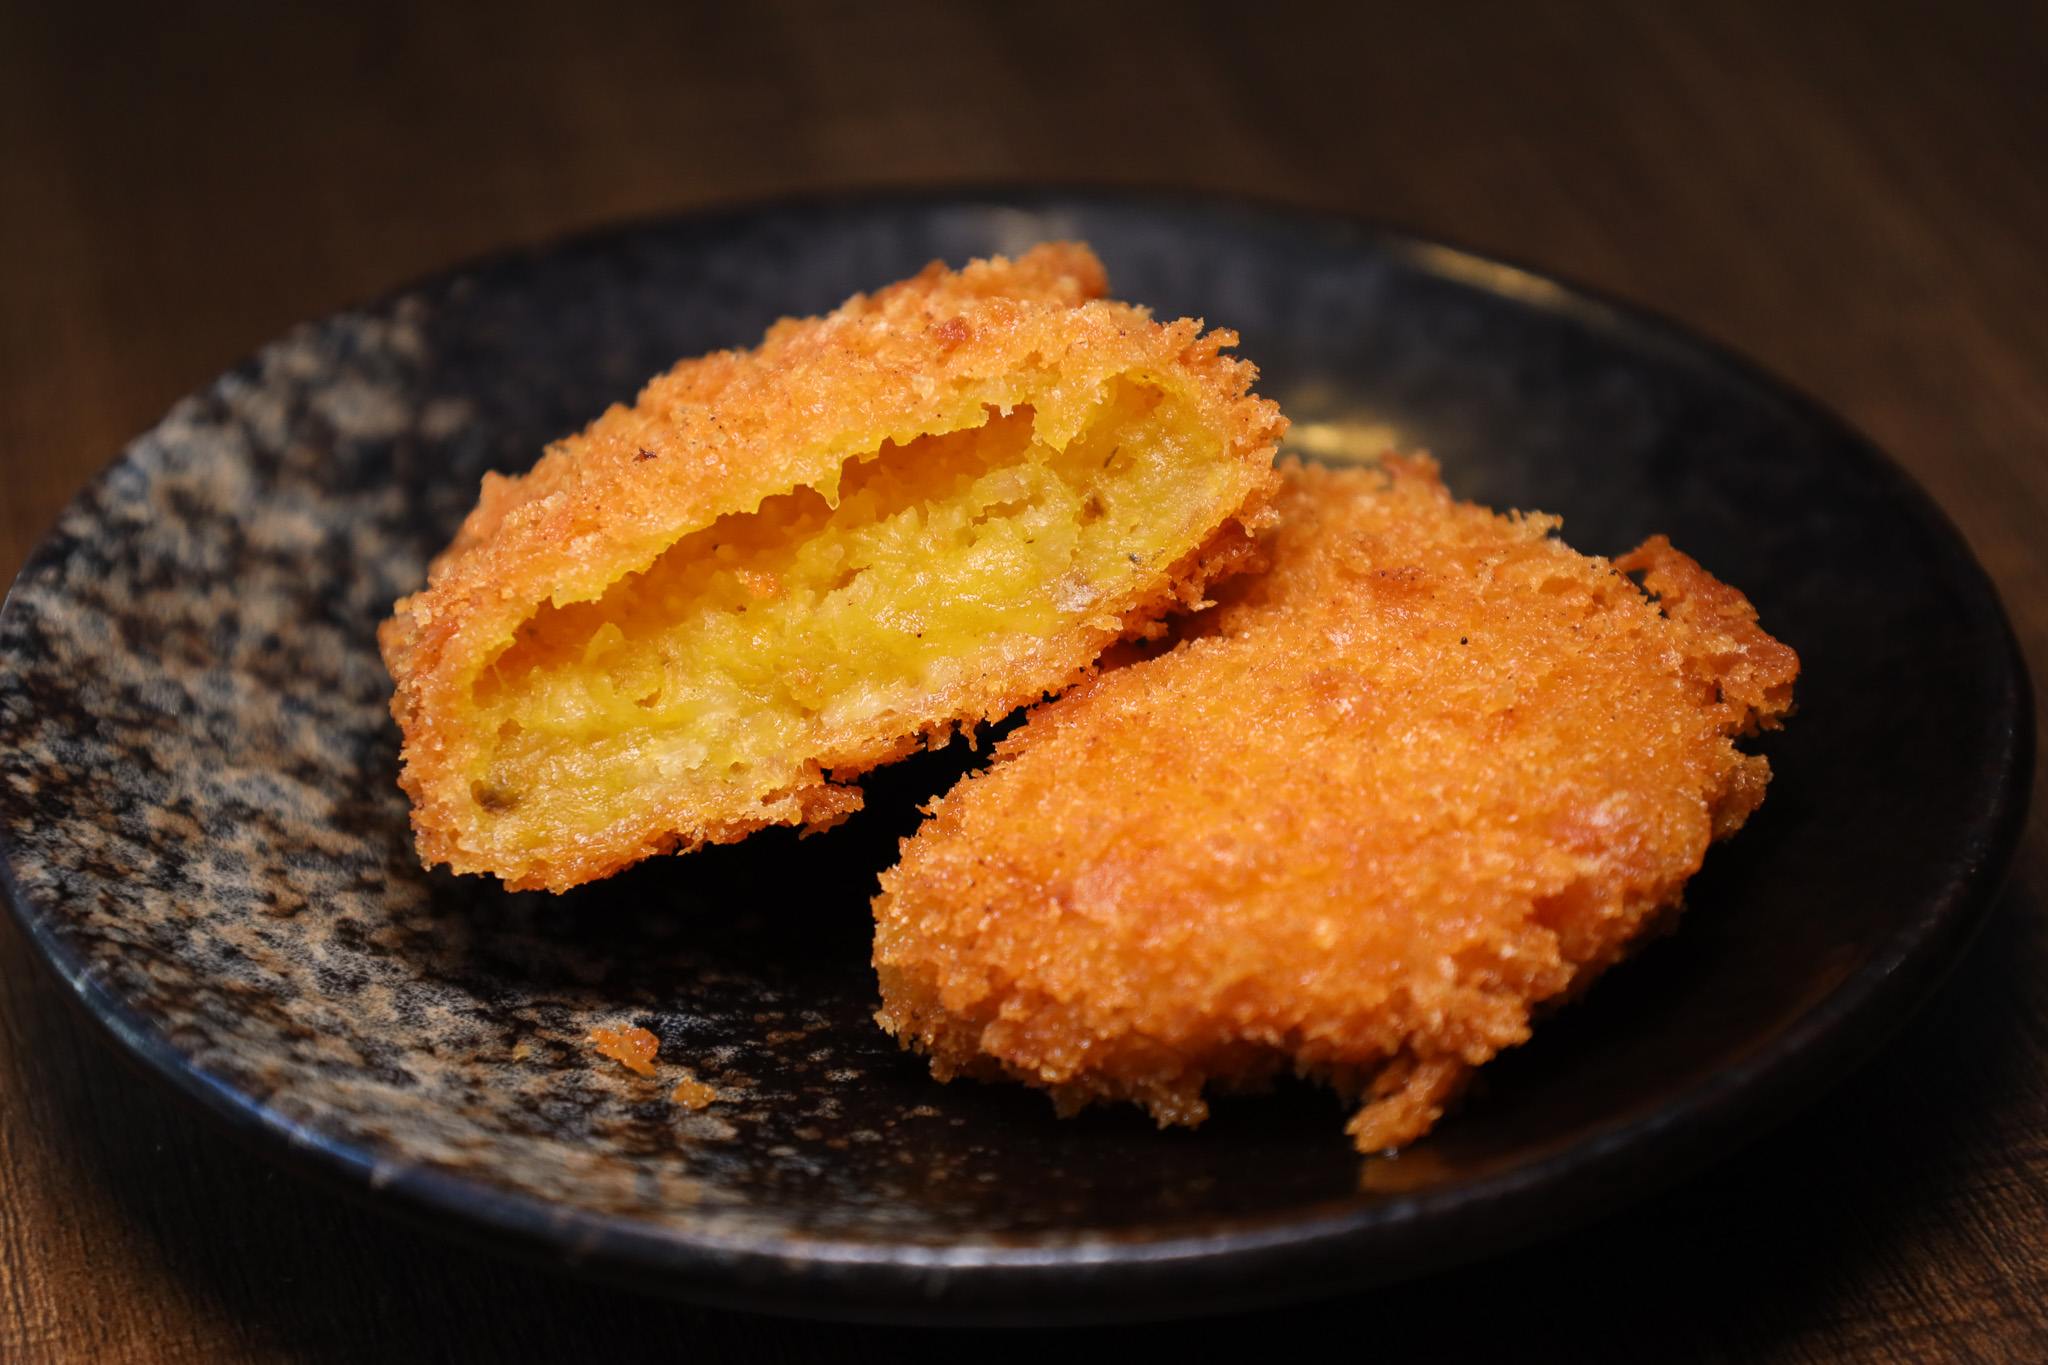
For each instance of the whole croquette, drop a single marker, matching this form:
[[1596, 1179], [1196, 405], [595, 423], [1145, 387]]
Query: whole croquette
[[1432, 769], [781, 567]]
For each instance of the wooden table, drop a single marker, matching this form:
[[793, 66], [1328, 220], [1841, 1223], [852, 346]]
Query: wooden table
[[1855, 195]]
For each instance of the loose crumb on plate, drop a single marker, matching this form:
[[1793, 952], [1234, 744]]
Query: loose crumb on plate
[[692, 1093], [631, 1047]]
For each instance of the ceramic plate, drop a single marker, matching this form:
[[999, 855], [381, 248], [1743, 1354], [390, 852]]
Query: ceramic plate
[[204, 838]]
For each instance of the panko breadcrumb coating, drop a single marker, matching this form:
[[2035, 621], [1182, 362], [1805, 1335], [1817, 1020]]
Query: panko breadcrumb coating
[[781, 567], [1431, 770]]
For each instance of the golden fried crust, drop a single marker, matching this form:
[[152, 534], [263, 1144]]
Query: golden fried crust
[[718, 435], [1433, 768]]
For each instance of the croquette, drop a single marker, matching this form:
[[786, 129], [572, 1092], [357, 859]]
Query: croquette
[[1433, 769], [778, 568]]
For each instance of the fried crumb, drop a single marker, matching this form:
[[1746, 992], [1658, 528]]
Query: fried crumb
[[630, 1046], [693, 1094], [1431, 770], [708, 612]]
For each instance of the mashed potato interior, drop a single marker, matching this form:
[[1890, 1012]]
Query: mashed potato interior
[[774, 631]]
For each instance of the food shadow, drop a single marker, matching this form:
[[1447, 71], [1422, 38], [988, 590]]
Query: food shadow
[[750, 963]]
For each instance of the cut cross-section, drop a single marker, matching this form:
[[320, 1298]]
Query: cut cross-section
[[783, 567]]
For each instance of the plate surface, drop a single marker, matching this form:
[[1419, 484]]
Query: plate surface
[[203, 836]]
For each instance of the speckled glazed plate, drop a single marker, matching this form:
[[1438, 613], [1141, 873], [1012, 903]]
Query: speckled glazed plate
[[204, 839]]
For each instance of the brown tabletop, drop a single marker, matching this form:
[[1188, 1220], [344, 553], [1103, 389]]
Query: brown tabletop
[[1855, 195]]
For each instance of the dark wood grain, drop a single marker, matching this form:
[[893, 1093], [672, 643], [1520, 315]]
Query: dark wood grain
[[1855, 195]]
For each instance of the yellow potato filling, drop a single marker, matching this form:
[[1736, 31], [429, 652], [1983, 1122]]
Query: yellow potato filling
[[789, 629]]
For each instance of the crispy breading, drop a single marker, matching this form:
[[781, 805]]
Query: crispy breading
[[1432, 769], [784, 566]]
